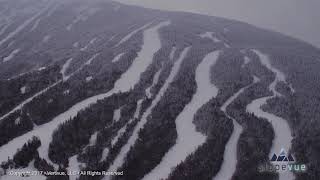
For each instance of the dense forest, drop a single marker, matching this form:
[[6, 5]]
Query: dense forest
[[100, 86]]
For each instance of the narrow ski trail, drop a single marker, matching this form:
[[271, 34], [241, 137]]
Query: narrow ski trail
[[64, 78], [19, 107], [188, 138], [151, 44], [283, 137], [230, 154]]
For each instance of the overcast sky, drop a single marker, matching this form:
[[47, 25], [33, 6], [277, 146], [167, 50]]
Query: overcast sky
[[298, 18]]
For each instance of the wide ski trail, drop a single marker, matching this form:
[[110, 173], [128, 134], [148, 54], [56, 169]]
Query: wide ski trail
[[125, 149], [188, 138]]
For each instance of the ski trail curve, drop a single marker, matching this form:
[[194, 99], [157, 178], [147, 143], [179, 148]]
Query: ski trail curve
[[117, 163], [188, 139], [283, 137], [230, 154], [151, 44]]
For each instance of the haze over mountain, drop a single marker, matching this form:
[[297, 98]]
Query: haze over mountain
[[292, 17], [148, 95]]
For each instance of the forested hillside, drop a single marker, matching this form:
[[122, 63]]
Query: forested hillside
[[102, 86]]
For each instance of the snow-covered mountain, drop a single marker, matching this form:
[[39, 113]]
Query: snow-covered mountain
[[102, 86]]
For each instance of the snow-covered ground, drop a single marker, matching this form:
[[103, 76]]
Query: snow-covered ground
[[74, 167], [27, 101], [173, 51], [64, 69], [151, 45], [154, 82], [128, 36], [117, 115], [122, 130], [11, 55], [93, 139], [230, 154], [91, 42], [117, 58], [126, 81], [82, 15], [188, 138], [105, 154], [89, 78], [46, 38], [125, 149], [24, 24], [4, 28], [281, 128], [246, 61], [211, 36], [23, 89], [35, 25]]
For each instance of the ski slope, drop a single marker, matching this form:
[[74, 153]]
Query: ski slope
[[229, 163], [24, 25], [283, 137], [118, 162], [188, 138], [132, 33], [151, 43]]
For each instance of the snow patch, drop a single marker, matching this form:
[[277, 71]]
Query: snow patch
[[91, 42], [93, 139], [41, 68], [17, 121], [35, 25], [246, 61], [117, 115], [105, 154], [89, 78], [83, 16], [66, 92], [91, 59], [76, 44], [23, 89], [211, 36], [11, 55], [117, 58], [74, 166], [46, 38], [173, 51], [154, 82], [23, 25], [64, 69], [127, 37]]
